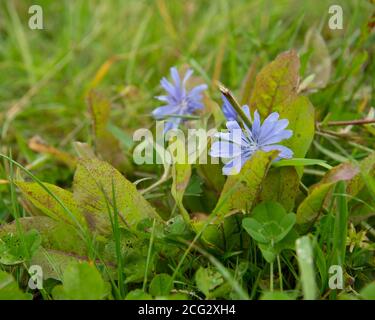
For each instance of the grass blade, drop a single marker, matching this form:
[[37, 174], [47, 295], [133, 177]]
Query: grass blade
[[306, 266]]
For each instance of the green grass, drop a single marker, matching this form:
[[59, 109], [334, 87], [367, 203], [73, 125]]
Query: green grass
[[122, 49]]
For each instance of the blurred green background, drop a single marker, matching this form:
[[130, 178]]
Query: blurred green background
[[123, 48]]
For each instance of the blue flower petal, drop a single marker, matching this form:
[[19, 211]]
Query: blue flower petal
[[179, 100], [246, 110], [256, 125], [285, 152], [196, 91], [228, 109], [225, 149], [162, 98], [176, 77], [188, 74], [235, 165], [285, 134], [161, 112], [268, 125], [172, 123], [171, 90], [233, 125]]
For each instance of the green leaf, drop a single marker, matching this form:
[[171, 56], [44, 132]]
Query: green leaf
[[276, 90], [341, 225], [106, 144], [364, 177], [55, 235], [60, 243], [281, 185], [367, 292], [138, 294], [311, 206], [207, 279], [319, 63], [306, 266], [181, 172], [276, 295], [92, 189], [161, 285], [241, 191], [41, 199], [81, 281], [342, 172], [16, 248], [9, 289], [269, 223], [212, 174], [301, 162], [321, 263], [135, 266], [300, 113], [276, 84], [269, 253], [255, 230]]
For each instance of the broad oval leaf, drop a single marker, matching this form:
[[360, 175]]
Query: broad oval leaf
[[241, 191], [281, 185], [320, 63], [275, 90], [312, 205], [16, 248], [45, 202], [161, 285], [81, 281], [105, 143], [255, 230], [60, 243], [207, 279], [9, 289], [55, 235], [97, 184], [276, 84]]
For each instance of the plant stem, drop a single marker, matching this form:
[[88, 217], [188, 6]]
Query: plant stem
[[349, 122], [163, 178], [236, 106], [271, 276], [280, 273], [149, 256]]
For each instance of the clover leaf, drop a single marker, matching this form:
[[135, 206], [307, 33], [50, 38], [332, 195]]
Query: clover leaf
[[269, 223]]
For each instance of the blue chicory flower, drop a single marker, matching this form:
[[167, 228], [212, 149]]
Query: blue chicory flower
[[179, 101], [228, 110], [238, 145]]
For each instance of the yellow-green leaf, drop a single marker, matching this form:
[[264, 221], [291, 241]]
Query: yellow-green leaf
[[281, 185], [45, 202], [181, 176], [276, 84], [107, 146], [55, 235], [9, 289], [241, 191], [275, 90], [320, 63], [366, 171], [300, 113], [311, 206], [94, 183], [61, 243], [81, 281]]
